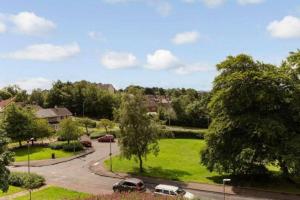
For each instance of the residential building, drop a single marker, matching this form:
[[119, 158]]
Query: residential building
[[53, 115]]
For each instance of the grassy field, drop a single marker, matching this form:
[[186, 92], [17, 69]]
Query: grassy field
[[39, 153], [55, 193], [179, 159], [11, 190]]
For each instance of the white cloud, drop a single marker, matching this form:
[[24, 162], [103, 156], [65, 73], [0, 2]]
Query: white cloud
[[44, 52], [161, 59], [96, 36], [2, 27], [30, 24], [245, 2], [188, 69], [288, 27], [186, 37], [118, 60], [213, 3], [34, 83]]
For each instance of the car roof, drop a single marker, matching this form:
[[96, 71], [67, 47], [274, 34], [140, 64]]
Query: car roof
[[133, 180], [166, 187]]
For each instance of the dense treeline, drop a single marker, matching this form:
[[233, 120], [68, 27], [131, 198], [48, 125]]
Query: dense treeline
[[188, 107]]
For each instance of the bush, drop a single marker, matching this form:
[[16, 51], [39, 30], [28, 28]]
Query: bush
[[73, 146], [57, 145], [182, 134], [98, 134], [25, 180]]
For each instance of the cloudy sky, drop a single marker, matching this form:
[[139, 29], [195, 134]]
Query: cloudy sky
[[167, 43]]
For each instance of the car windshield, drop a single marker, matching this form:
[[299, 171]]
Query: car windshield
[[180, 191]]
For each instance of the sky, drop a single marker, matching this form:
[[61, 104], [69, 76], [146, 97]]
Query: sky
[[153, 43]]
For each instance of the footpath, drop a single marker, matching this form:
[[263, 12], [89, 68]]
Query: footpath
[[99, 169]]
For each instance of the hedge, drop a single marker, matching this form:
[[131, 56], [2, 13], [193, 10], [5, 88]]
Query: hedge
[[67, 147], [182, 134], [25, 180]]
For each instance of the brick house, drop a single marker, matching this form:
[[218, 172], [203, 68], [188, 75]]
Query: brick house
[[53, 115]]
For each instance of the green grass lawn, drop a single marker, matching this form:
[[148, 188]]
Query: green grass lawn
[[39, 153], [179, 159], [55, 193], [11, 190]]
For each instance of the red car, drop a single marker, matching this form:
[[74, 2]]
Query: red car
[[106, 138]]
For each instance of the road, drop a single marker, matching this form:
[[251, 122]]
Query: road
[[75, 174]]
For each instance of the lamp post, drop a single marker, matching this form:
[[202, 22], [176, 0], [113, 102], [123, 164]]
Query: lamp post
[[28, 161], [224, 182], [110, 155]]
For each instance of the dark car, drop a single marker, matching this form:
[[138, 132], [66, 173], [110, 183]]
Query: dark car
[[86, 141], [106, 138], [130, 185]]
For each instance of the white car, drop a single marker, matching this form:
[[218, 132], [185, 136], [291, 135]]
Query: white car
[[169, 190]]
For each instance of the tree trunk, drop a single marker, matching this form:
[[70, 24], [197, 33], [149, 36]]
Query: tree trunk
[[141, 164], [86, 130], [284, 169], [68, 141], [20, 143]]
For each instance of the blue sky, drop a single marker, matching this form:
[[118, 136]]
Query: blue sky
[[146, 42]]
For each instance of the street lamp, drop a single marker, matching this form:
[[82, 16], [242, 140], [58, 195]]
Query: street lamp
[[110, 155], [224, 182], [28, 161]]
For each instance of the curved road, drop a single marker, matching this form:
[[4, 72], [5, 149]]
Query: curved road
[[75, 174]]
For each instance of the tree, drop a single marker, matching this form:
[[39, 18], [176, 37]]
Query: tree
[[41, 129], [255, 114], [139, 134], [5, 158], [86, 122], [69, 129], [18, 123], [106, 124], [38, 97]]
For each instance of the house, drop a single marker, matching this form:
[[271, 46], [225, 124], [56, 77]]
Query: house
[[53, 115], [109, 87], [5, 103], [155, 101]]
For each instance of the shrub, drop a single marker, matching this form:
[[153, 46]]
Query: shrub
[[182, 134], [57, 145], [25, 180], [73, 146]]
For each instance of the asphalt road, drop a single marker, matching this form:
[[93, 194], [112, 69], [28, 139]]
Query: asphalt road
[[76, 175]]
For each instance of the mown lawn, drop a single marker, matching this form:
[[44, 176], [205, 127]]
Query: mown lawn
[[179, 159], [11, 190], [39, 153], [55, 193]]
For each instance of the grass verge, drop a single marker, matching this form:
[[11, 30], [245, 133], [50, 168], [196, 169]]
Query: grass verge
[[55, 193], [11, 190]]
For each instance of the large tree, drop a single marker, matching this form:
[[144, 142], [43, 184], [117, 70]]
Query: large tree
[[18, 123], [255, 116], [139, 133]]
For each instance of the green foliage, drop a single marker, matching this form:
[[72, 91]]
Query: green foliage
[[5, 158], [255, 113], [57, 145], [139, 133], [25, 180], [18, 123], [182, 133], [69, 129], [106, 124], [41, 129], [38, 97], [87, 123], [72, 146], [83, 98]]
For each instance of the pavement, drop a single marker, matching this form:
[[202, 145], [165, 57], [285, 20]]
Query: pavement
[[86, 174]]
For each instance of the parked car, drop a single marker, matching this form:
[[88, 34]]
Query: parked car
[[129, 185], [86, 141], [106, 138], [174, 191]]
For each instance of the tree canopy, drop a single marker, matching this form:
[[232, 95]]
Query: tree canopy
[[255, 115]]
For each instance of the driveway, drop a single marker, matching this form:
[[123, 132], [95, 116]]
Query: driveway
[[76, 175]]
